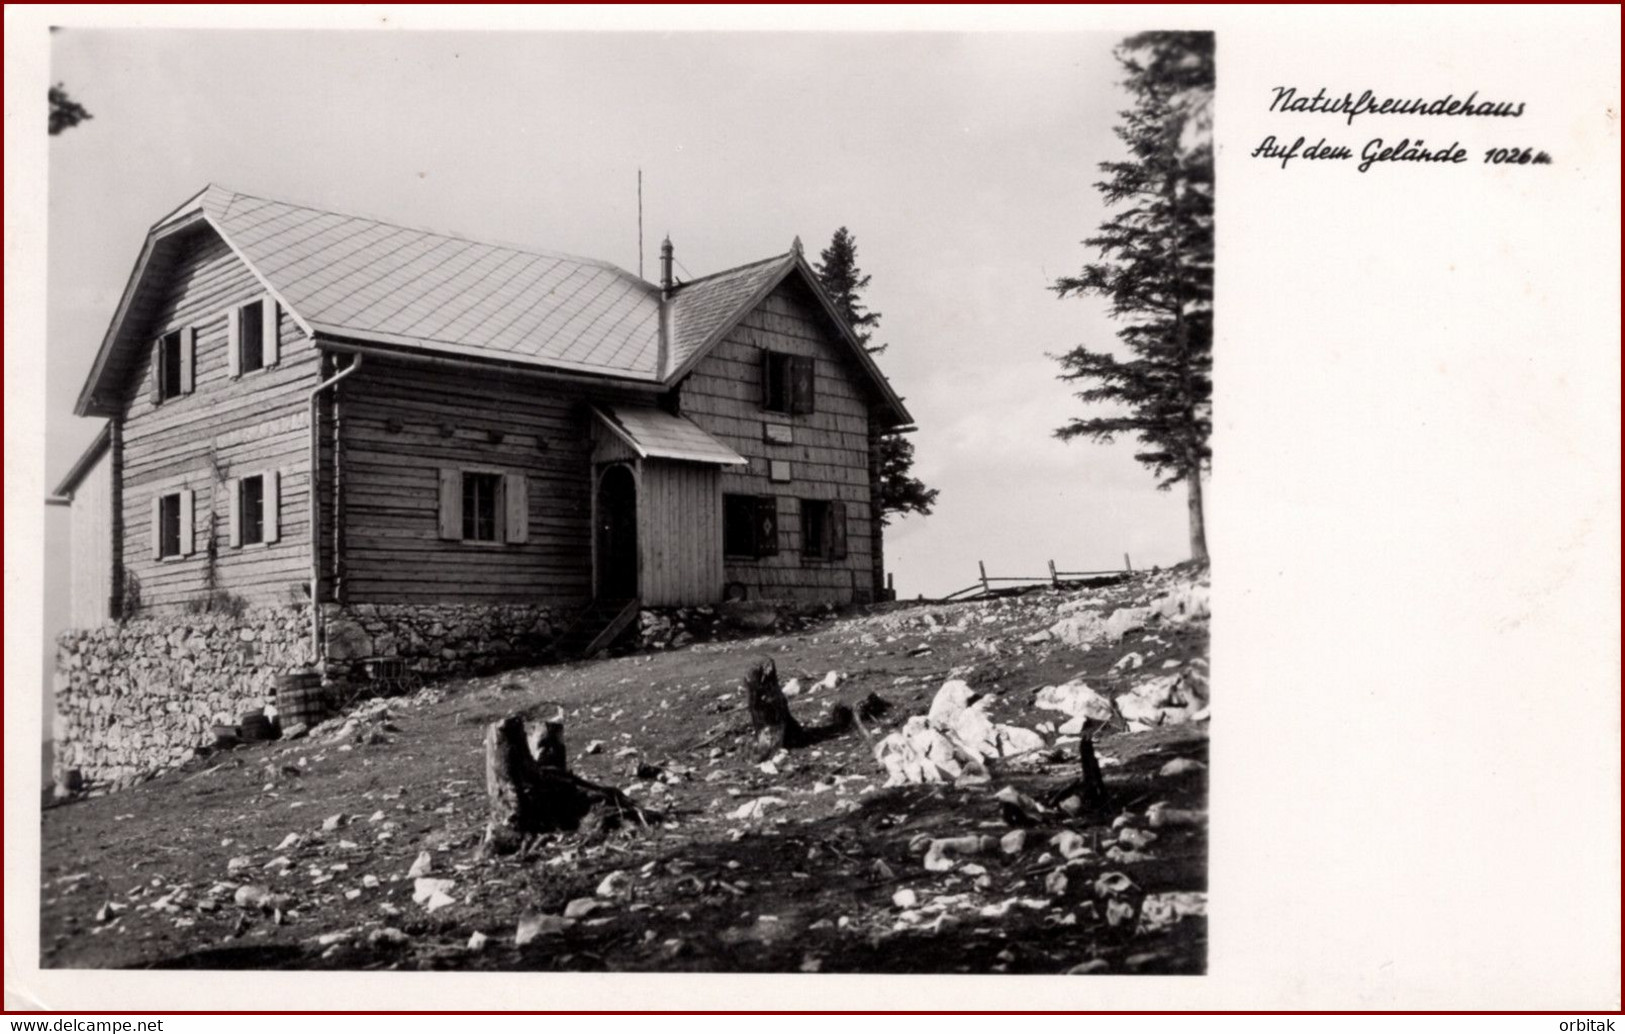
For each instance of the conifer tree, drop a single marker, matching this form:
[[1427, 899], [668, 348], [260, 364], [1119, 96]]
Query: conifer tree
[[1155, 268], [900, 491]]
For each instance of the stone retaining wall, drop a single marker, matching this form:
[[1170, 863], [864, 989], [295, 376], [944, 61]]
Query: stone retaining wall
[[143, 694]]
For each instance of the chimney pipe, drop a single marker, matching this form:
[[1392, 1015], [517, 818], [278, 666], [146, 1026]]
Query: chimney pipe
[[665, 267]]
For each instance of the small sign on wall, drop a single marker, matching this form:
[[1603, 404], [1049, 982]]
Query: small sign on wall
[[778, 470], [778, 434]]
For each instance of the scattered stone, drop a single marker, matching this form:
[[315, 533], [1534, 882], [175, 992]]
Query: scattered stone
[[905, 898], [534, 926], [1181, 766], [580, 908], [426, 888], [1013, 842], [476, 941], [617, 884], [754, 809], [387, 935], [1092, 966], [938, 857], [333, 822], [1161, 815], [421, 866]]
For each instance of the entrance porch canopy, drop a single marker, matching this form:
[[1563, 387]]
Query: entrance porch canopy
[[656, 434]]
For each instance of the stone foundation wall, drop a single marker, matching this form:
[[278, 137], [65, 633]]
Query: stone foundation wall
[[143, 694], [443, 639]]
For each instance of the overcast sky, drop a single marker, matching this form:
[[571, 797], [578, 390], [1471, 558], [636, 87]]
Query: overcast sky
[[963, 165]]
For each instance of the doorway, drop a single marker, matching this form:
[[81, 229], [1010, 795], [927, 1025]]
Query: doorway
[[617, 534]]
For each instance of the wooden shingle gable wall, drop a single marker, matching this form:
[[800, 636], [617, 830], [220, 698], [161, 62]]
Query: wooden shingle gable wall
[[826, 452]]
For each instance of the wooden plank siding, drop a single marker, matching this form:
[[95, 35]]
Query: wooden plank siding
[[224, 428], [403, 422], [829, 455], [679, 533]]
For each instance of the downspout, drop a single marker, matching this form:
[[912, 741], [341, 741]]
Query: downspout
[[315, 494]]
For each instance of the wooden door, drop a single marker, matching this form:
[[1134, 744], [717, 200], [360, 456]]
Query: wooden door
[[617, 534]]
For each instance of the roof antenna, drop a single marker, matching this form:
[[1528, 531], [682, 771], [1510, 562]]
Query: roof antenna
[[640, 224]]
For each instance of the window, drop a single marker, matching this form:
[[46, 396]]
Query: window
[[172, 525], [251, 336], [169, 365], [823, 530], [787, 383], [750, 526], [172, 365], [483, 506], [169, 525], [251, 510], [480, 506], [255, 501], [251, 343]]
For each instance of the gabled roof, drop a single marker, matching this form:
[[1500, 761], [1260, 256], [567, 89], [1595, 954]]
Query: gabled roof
[[706, 310], [655, 433], [361, 279]]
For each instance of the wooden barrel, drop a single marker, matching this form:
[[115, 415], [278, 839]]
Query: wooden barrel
[[300, 698]]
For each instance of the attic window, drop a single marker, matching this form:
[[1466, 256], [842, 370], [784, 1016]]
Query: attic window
[[787, 383], [251, 343], [170, 378], [251, 336]]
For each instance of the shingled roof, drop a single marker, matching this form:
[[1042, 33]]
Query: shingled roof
[[354, 278]]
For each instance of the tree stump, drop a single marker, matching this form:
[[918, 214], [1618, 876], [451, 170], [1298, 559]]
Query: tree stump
[[772, 726], [1090, 788], [529, 795]]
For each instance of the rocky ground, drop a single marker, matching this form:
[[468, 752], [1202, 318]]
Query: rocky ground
[[880, 850]]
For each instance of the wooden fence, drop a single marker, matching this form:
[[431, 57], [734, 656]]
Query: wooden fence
[[984, 585]]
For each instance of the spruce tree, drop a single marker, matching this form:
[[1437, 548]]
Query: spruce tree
[[838, 272], [1156, 270]]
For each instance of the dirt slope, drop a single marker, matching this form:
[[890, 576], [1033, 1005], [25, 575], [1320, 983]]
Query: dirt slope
[[827, 875]]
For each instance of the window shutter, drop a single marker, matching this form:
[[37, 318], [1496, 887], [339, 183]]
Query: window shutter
[[188, 359], [270, 345], [157, 527], [516, 521], [157, 371], [272, 496], [234, 511], [801, 384], [234, 342], [188, 547], [835, 531], [451, 503], [767, 526], [767, 379]]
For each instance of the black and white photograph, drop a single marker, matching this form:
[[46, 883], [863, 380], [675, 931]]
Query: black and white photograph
[[673, 507], [537, 505]]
